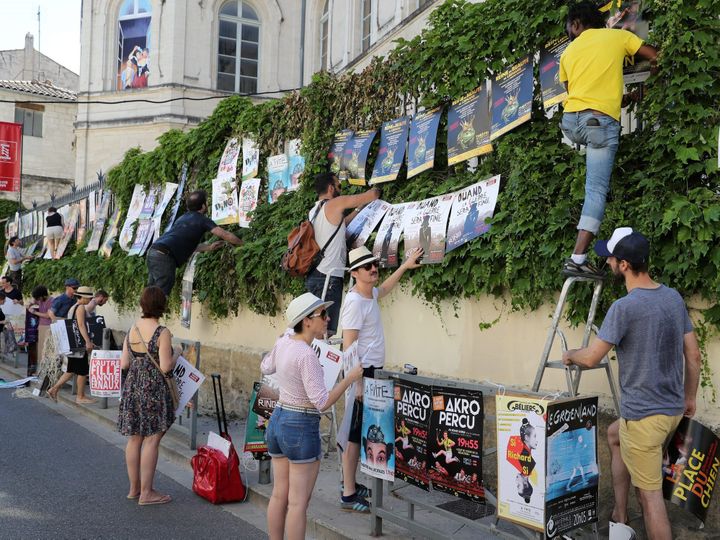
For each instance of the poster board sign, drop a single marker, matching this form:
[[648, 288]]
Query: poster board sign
[[11, 140], [188, 380], [251, 158], [471, 208], [391, 154], [225, 208], [553, 91], [377, 444], [227, 169], [111, 234], [178, 197], [355, 155], [331, 361], [423, 137], [70, 219], [412, 423], [127, 233], [385, 247], [101, 215], [424, 226], [335, 156], [512, 95], [249, 192], [105, 373], [296, 164], [360, 228], [262, 400], [278, 176], [469, 126]]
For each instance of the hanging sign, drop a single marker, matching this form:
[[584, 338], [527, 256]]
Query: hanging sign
[[423, 135], [512, 95], [425, 225], [412, 423], [296, 164], [278, 176], [224, 201], [469, 126], [111, 234], [391, 154], [553, 91], [136, 205], [388, 236], [471, 208], [251, 158], [11, 140], [249, 191], [356, 154], [227, 169]]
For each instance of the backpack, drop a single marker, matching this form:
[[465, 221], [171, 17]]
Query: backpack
[[303, 254]]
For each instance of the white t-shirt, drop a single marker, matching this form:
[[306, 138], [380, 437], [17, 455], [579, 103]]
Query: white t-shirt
[[363, 314]]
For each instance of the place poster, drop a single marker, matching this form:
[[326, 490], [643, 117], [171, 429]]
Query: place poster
[[251, 158], [227, 169], [224, 201], [249, 191], [424, 226], [391, 154], [377, 443], [423, 135], [360, 228], [335, 156], [412, 422], [471, 208], [553, 91], [296, 164], [469, 126], [355, 155], [278, 176], [512, 95], [388, 236]]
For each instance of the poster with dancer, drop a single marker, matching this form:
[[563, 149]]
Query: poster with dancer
[[423, 135], [335, 156], [278, 176], [225, 209], [553, 91], [360, 228], [251, 158], [469, 126], [424, 226], [70, 218], [101, 216], [388, 236], [296, 164], [512, 95], [377, 443], [630, 15], [471, 208], [227, 169], [412, 422], [127, 233], [331, 361], [111, 234], [571, 500], [391, 154], [178, 197], [455, 442], [355, 155], [187, 292], [249, 192]]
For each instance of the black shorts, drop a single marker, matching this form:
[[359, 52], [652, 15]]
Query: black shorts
[[79, 366], [357, 414]]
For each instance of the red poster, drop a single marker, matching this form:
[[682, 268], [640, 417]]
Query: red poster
[[10, 156]]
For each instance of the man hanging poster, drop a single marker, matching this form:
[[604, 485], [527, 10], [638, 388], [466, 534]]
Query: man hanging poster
[[553, 91], [178, 197], [424, 226], [296, 164], [335, 156], [356, 154], [388, 236], [111, 234], [360, 228], [249, 191], [423, 135], [469, 126], [278, 177], [512, 94], [70, 218], [101, 216], [412, 422], [377, 445], [391, 154], [471, 208], [251, 158], [227, 169], [136, 205], [225, 209]]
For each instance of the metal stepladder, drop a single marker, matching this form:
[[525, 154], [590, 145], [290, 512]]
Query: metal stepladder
[[574, 373]]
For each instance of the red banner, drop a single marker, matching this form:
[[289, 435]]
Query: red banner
[[10, 156]]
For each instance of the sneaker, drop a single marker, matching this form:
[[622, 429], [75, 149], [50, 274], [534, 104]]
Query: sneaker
[[573, 269], [361, 490], [357, 504]]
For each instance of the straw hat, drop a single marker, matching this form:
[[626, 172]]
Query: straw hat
[[360, 256], [302, 306], [85, 292]]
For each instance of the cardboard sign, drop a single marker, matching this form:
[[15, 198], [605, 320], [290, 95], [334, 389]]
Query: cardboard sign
[[105, 373], [188, 381]]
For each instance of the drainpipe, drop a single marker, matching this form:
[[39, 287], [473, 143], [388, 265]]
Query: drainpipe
[[302, 42]]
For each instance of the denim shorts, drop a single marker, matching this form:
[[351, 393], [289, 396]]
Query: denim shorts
[[294, 435]]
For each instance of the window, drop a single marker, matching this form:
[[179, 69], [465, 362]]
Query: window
[[324, 36], [422, 4], [31, 119], [238, 43], [133, 62], [366, 18]]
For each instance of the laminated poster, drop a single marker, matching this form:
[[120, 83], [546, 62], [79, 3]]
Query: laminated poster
[[360, 228], [278, 176], [111, 234], [166, 196], [391, 154], [424, 226], [225, 207], [469, 126], [331, 360], [630, 15], [187, 292], [101, 216], [178, 197], [412, 423], [105, 373], [512, 95], [70, 218], [377, 443], [423, 135], [251, 159], [335, 156], [355, 156], [388, 236], [136, 205], [263, 399], [249, 191], [471, 208], [227, 169], [296, 164], [553, 91], [455, 442]]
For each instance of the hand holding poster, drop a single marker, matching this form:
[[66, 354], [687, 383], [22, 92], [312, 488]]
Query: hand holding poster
[[360, 228], [423, 134], [249, 191], [425, 227], [412, 423], [188, 381], [469, 126], [512, 93], [105, 373], [388, 236], [377, 446], [471, 207], [391, 154]]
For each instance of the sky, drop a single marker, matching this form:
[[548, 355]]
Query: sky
[[59, 28]]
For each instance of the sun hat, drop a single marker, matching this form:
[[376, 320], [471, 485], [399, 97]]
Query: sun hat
[[302, 306], [72, 282], [625, 244], [360, 256], [85, 292]]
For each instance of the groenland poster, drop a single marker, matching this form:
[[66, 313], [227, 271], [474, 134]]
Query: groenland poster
[[455, 442], [101, 216], [391, 154], [423, 135], [335, 156], [377, 443], [512, 94], [471, 207], [228, 163], [355, 155], [224, 201], [572, 499], [424, 226], [412, 423], [469, 126], [178, 197], [251, 158], [296, 164], [111, 234], [388, 236], [360, 228], [249, 191], [630, 16], [691, 468], [553, 91], [278, 176]]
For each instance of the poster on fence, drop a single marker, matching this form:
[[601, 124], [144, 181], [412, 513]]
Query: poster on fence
[[385, 247], [335, 156], [377, 443], [278, 176], [178, 197], [572, 499], [455, 442], [92, 207], [127, 233], [512, 95], [188, 380], [360, 228], [227, 169], [471, 208], [469, 126], [296, 164], [224, 201], [424, 226], [251, 158], [412, 423], [691, 467], [105, 373], [263, 398], [70, 218], [356, 154], [423, 136], [391, 153], [187, 292], [330, 360], [553, 91], [249, 192], [101, 216], [111, 234]]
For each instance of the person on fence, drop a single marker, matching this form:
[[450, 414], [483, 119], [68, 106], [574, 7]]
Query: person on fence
[[62, 304], [40, 307], [15, 258], [651, 332], [11, 292], [146, 406], [53, 230], [293, 434], [176, 246]]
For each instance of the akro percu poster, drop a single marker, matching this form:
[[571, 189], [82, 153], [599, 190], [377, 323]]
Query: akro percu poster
[[111, 234], [512, 93], [471, 207], [391, 154], [388, 236], [553, 91], [296, 164], [178, 197], [423, 135], [249, 191], [101, 216], [335, 156], [469, 126], [227, 169], [424, 226], [127, 233], [377, 443], [224, 201], [331, 360], [251, 158], [412, 422], [278, 176], [360, 228], [356, 154]]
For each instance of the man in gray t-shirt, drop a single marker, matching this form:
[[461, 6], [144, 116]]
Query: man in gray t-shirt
[[651, 332], [15, 258]]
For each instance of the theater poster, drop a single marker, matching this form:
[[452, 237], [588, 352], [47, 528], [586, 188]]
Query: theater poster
[[471, 208], [262, 403], [225, 208], [249, 191], [166, 195], [412, 424], [101, 216], [127, 232], [630, 15], [335, 156], [360, 228], [469, 126], [423, 135], [455, 442], [424, 226], [251, 159], [296, 164], [111, 234], [178, 197], [377, 440], [227, 169], [356, 154], [512, 95], [278, 176], [553, 91], [388, 236], [391, 153]]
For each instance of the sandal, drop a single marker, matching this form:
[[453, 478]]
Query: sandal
[[162, 500]]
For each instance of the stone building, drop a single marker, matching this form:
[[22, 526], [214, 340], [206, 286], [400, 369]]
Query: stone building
[[29, 64]]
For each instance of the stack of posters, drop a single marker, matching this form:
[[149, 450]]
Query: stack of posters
[[355, 155], [553, 91], [471, 208], [360, 228], [423, 135], [388, 236], [377, 444], [391, 154], [278, 176], [469, 126], [512, 94], [424, 226]]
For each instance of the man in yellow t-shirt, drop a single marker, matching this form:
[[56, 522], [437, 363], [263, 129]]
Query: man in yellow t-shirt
[[592, 70]]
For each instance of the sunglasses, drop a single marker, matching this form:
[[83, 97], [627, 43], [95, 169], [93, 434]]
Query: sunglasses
[[369, 266], [323, 314]]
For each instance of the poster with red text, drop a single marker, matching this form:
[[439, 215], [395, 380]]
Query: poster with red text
[[412, 423], [105, 373], [10, 156]]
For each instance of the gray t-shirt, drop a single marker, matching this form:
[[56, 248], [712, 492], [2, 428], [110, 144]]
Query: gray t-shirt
[[647, 328], [17, 254]]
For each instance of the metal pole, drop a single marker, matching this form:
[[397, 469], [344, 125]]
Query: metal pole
[[194, 413]]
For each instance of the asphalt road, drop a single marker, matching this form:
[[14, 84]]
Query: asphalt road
[[60, 480]]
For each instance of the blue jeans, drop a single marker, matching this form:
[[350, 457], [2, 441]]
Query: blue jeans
[[602, 142], [161, 270], [314, 283], [294, 435]]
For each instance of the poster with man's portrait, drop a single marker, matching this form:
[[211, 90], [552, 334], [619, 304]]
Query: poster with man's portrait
[[425, 225], [377, 444]]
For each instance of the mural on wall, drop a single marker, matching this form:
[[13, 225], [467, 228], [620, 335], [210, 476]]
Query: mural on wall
[[133, 61]]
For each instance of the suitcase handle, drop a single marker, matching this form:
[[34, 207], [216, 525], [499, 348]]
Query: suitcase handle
[[218, 409]]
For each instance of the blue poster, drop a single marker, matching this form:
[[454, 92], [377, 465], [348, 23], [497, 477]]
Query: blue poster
[[553, 91], [356, 154], [393, 141], [512, 94], [423, 133], [278, 177], [377, 443], [469, 126]]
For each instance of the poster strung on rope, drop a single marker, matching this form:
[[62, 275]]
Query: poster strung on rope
[[225, 208], [512, 95], [412, 423], [278, 176], [178, 197], [377, 443], [391, 153], [471, 208], [187, 292], [360, 228], [227, 169], [105, 373], [388, 236], [70, 218], [424, 226], [630, 15], [335, 156], [296, 164], [111, 234], [251, 158], [423, 136], [355, 155], [262, 403], [249, 192], [127, 233], [691, 467], [469, 126], [571, 500], [101, 216], [455, 442], [553, 91]]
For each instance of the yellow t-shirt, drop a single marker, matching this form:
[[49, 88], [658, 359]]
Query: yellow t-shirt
[[592, 65]]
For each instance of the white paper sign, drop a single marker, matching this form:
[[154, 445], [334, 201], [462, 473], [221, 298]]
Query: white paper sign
[[188, 380], [105, 373], [219, 443], [331, 360], [59, 332]]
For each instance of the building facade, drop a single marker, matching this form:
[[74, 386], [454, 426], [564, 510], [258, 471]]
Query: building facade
[[29, 64]]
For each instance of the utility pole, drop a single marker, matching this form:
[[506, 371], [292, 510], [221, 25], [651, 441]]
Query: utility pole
[[38, 14]]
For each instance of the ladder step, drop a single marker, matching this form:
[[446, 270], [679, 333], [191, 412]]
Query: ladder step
[[559, 364]]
